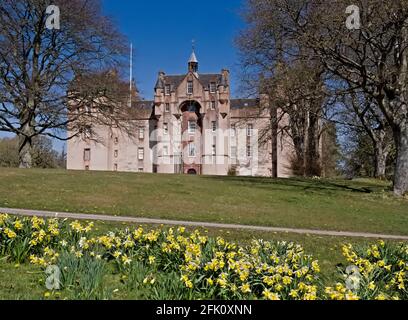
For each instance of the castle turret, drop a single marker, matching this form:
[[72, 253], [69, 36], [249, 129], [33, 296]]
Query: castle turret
[[193, 64]]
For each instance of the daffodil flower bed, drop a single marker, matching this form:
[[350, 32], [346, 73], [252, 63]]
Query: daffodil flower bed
[[176, 264]]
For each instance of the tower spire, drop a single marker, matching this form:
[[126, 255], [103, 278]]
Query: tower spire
[[193, 62]]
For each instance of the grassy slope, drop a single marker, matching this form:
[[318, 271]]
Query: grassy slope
[[330, 204]]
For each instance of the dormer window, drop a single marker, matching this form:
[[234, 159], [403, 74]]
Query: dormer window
[[190, 87], [167, 90], [213, 87]]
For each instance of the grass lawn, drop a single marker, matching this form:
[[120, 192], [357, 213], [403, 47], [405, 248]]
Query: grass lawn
[[361, 205]]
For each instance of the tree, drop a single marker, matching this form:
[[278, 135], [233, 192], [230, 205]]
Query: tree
[[42, 153], [373, 56], [302, 94], [41, 71], [297, 94], [331, 150], [364, 121], [8, 152]]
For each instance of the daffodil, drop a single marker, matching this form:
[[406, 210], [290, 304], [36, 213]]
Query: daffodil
[[246, 288]]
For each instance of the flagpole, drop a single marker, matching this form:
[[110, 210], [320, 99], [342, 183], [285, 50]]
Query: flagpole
[[131, 73]]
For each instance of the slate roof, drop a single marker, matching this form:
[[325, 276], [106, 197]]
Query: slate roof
[[244, 103], [175, 80], [143, 104]]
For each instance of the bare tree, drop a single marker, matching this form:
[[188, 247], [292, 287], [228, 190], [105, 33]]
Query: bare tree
[[360, 115], [373, 57], [42, 70], [295, 87], [302, 96]]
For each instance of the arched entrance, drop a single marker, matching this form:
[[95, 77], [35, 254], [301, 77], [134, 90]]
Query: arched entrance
[[191, 128], [192, 172]]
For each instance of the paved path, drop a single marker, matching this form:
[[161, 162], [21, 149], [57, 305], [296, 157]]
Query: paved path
[[80, 216]]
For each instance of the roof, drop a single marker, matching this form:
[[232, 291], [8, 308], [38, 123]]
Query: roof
[[175, 80], [244, 103], [193, 58], [143, 104], [141, 110]]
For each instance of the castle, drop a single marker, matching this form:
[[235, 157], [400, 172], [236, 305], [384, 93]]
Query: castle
[[192, 127]]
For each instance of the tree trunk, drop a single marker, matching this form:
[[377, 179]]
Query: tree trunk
[[380, 159], [312, 165], [24, 153], [401, 170], [275, 129], [24, 146]]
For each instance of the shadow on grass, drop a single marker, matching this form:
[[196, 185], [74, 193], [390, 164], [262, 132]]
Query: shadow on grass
[[302, 183]]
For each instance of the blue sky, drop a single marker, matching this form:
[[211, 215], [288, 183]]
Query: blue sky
[[162, 31]]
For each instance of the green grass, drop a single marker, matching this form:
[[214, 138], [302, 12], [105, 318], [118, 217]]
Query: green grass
[[361, 205], [20, 282]]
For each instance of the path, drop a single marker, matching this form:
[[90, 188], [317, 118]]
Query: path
[[79, 216]]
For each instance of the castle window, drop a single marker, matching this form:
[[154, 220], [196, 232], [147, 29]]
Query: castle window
[[141, 133], [87, 155], [141, 170], [166, 128], [212, 105], [233, 152], [167, 90], [87, 132], [213, 87], [249, 151], [116, 153], [233, 130], [191, 149], [214, 150], [214, 126], [141, 153], [165, 151], [190, 87], [192, 127], [115, 167], [167, 107], [88, 110], [250, 130], [116, 140], [87, 168]]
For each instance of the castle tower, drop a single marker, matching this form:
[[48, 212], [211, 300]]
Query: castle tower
[[193, 63]]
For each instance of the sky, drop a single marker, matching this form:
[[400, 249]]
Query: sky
[[162, 33]]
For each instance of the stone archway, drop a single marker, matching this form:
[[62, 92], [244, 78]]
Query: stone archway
[[192, 172], [191, 129]]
